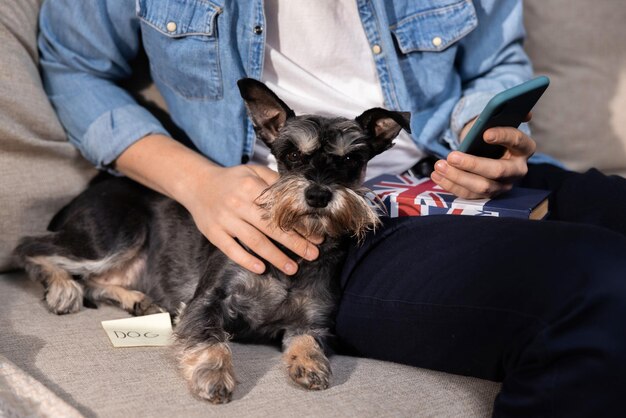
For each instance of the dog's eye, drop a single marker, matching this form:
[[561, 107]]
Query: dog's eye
[[350, 160], [294, 156]]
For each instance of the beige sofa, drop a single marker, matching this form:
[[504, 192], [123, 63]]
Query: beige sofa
[[65, 366]]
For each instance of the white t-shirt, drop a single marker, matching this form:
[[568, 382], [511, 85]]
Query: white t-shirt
[[318, 60]]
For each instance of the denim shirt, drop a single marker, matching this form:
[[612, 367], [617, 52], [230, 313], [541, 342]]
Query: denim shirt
[[442, 60]]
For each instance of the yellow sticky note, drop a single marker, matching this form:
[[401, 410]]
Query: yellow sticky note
[[140, 331]]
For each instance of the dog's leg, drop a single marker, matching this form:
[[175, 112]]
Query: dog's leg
[[208, 369], [132, 301], [307, 364], [204, 356], [63, 294], [118, 285], [55, 261]]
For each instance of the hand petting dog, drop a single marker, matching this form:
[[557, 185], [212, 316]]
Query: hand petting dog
[[220, 199]]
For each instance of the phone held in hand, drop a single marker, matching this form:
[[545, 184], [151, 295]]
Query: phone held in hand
[[508, 108]]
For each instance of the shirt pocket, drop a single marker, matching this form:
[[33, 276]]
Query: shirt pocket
[[180, 39], [436, 29], [427, 42]]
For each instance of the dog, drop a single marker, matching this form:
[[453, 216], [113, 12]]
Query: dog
[[121, 243]]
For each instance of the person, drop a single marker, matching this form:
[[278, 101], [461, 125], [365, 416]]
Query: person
[[535, 305]]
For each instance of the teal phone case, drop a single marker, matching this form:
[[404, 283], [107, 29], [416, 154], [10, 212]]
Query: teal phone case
[[508, 108]]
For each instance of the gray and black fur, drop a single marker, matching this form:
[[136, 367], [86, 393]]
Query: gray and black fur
[[122, 243]]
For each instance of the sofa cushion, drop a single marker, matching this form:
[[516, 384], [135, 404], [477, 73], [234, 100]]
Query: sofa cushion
[[73, 357], [40, 170], [581, 46]]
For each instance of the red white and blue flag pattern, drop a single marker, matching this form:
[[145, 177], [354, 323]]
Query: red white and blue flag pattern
[[405, 195]]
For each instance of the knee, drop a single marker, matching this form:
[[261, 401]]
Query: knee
[[593, 319]]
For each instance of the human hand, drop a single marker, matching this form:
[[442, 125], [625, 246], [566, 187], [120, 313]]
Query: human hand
[[221, 200], [223, 206], [472, 177]]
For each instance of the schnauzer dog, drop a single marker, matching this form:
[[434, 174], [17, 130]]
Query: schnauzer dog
[[121, 243]]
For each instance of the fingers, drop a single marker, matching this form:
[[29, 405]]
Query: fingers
[[474, 177], [467, 184], [459, 163], [268, 175], [528, 117], [249, 211], [255, 239], [237, 253], [261, 245], [230, 219], [303, 247], [516, 142]]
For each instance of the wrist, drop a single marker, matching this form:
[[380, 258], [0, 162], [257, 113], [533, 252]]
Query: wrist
[[165, 165], [193, 180]]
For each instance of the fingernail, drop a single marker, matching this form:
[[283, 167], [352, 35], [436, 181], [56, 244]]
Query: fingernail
[[454, 158], [311, 252], [441, 166], [258, 268], [290, 268], [489, 136], [316, 240], [436, 177]]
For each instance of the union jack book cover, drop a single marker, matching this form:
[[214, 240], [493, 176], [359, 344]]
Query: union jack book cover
[[404, 195]]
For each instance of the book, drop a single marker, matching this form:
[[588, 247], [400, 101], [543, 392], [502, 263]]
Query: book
[[405, 195]]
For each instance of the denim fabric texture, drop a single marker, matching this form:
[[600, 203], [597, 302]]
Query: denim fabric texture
[[442, 60]]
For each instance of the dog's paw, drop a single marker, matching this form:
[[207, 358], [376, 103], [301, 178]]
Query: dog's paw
[[215, 386], [209, 371], [146, 307], [64, 297], [310, 372], [307, 364]]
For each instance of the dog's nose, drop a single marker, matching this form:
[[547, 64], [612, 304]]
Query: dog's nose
[[317, 197]]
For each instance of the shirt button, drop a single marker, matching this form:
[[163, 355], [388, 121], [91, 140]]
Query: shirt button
[[258, 30], [376, 49], [437, 41], [171, 26]]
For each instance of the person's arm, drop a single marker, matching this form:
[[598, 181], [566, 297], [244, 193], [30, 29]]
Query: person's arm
[[221, 200], [86, 48], [491, 59]]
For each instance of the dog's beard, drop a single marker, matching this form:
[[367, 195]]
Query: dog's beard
[[347, 213]]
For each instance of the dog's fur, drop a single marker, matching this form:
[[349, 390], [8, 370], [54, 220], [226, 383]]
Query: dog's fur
[[122, 243]]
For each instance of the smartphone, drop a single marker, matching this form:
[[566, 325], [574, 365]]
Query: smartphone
[[508, 108]]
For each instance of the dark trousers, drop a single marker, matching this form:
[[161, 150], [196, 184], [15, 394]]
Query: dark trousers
[[538, 305]]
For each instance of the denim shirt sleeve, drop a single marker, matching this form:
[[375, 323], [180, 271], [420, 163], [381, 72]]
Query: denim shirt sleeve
[[85, 49], [492, 59]]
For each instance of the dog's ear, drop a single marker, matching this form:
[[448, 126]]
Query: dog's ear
[[266, 110], [383, 126]]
